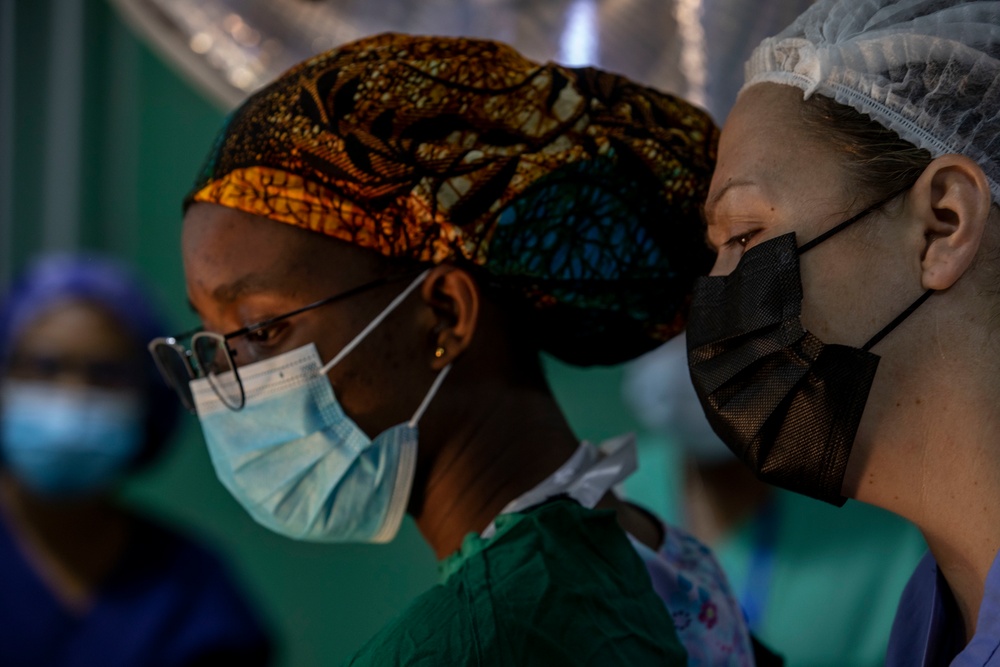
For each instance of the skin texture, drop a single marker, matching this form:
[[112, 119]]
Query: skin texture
[[926, 447], [72, 544], [487, 437]]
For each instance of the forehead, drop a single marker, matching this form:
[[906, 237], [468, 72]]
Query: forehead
[[766, 149], [227, 252], [77, 329]]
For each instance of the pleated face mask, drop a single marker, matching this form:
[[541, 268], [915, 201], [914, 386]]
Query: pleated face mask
[[68, 441], [297, 463], [787, 404]]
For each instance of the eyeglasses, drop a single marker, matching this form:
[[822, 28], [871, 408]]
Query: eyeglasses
[[106, 373], [208, 355]]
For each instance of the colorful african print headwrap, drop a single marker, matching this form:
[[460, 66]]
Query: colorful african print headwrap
[[576, 188]]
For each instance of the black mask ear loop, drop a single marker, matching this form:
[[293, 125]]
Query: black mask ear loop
[[874, 340], [847, 223], [896, 322]]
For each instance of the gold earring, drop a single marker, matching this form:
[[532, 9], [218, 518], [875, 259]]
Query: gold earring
[[438, 353]]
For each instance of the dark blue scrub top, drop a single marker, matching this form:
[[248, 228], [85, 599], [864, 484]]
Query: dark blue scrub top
[[928, 630], [168, 603]]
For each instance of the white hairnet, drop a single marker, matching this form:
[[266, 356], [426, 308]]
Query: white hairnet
[[927, 69]]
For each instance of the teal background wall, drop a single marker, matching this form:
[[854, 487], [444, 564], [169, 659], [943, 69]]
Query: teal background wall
[[99, 141]]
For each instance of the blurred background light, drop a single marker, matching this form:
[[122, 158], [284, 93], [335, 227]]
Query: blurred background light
[[229, 48], [696, 48]]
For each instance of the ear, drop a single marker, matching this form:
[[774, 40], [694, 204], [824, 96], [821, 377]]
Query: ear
[[454, 298], [951, 199]]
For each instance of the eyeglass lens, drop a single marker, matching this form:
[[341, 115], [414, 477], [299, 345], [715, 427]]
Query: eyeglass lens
[[216, 364], [106, 373], [173, 365]]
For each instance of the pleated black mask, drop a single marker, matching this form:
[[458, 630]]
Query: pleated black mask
[[786, 403]]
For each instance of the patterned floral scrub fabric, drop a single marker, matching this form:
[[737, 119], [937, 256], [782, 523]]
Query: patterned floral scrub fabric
[[576, 189], [706, 614]]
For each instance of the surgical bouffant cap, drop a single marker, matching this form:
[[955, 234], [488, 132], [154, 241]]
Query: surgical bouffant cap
[[927, 69], [577, 189]]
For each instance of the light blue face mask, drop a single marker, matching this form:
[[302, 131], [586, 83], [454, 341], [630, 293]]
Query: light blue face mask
[[68, 441], [297, 463]]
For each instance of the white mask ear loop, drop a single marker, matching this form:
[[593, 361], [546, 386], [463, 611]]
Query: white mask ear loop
[[374, 323], [430, 395]]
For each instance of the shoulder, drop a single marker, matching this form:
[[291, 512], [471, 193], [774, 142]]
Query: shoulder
[[186, 585], [433, 630], [922, 618], [556, 585], [695, 590], [159, 555]]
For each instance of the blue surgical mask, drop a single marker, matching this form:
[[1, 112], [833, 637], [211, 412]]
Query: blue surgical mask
[[297, 463], [68, 441]]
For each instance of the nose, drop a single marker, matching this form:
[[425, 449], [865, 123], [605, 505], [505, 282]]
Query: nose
[[725, 263], [71, 377]]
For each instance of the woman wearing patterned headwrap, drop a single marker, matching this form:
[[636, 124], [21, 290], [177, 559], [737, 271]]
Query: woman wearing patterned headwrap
[[384, 239]]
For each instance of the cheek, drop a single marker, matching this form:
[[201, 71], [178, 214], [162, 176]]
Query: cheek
[[838, 304], [381, 382]]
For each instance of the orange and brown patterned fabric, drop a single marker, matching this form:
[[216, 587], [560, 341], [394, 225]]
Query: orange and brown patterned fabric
[[576, 188]]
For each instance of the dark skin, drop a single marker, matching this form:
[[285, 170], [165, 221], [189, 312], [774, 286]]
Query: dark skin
[[72, 543], [487, 437]]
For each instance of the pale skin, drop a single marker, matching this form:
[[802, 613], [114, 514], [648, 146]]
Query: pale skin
[[926, 448], [487, 437], [72, 544]]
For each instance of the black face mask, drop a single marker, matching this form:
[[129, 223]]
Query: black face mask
[[786, 403]]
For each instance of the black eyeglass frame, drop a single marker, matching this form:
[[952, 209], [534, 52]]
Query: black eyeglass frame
[[186, 353]]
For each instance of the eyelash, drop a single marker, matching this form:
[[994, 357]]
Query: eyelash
[[265, 336], [741, 239]]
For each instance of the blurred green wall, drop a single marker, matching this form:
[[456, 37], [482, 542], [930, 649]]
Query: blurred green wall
[[104, 165]]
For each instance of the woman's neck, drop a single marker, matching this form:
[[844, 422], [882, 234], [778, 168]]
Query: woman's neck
[[491, 457], [72, 545], [934, 458], [960, 515]]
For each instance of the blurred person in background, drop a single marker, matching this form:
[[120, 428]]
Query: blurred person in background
[[85, 581], [380, 245], [782, 552]]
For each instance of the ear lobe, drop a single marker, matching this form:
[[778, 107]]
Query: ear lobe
[[952, 199], [453, 296]]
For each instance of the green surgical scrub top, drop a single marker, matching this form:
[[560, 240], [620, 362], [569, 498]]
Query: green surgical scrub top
[[555, 585]]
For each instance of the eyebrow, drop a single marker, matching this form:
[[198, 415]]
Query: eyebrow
[[724, 190], [250, 283], [714, 200]]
